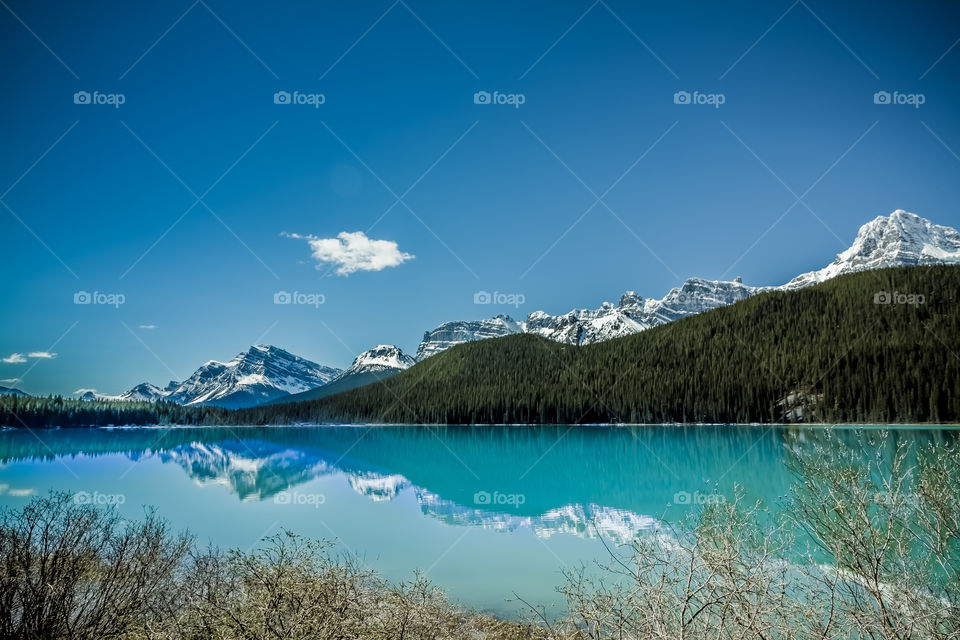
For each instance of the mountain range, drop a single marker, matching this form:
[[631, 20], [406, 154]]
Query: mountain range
[[898, 240], [269, 375]]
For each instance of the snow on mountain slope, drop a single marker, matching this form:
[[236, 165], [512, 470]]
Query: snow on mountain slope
[[260, 374], [900, 239], [696, 295], [373, 365], [460, 331], [382, 357], [634, 313], [147, 392]]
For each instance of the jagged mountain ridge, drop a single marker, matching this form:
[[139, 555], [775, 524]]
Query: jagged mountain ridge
[[373, 365], [258, 375], [449, 334], [147, 392], [900, 239]]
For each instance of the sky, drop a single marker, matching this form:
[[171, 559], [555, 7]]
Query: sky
[[181, 180]]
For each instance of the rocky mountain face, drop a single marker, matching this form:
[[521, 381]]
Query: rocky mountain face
[[258, 375], [147, 392], [459, 331], [900, 239], [373, 365], [383, 357], [634, 313]]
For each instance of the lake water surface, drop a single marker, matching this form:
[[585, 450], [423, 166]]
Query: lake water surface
[[486, 512]]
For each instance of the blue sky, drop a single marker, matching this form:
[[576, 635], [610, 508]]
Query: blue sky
[[493, 197]]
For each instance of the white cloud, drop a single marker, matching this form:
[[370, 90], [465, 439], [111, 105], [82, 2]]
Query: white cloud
[[354, 251], [84, 390], [41, 354], [14, 358], [147, 326], [10, 380]]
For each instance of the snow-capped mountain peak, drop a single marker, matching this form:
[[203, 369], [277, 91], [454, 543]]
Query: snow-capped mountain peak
[[382, 357], [898, 240], [259, 374], [146, 392]]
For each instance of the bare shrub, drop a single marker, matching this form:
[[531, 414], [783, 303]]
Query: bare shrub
[[77, 571], [868, 547], [715, 575]]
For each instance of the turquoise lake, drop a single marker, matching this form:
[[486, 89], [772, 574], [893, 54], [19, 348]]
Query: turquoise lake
[[486, 512]]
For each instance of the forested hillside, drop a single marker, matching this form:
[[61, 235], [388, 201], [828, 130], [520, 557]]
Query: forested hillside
[[836, 352]]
